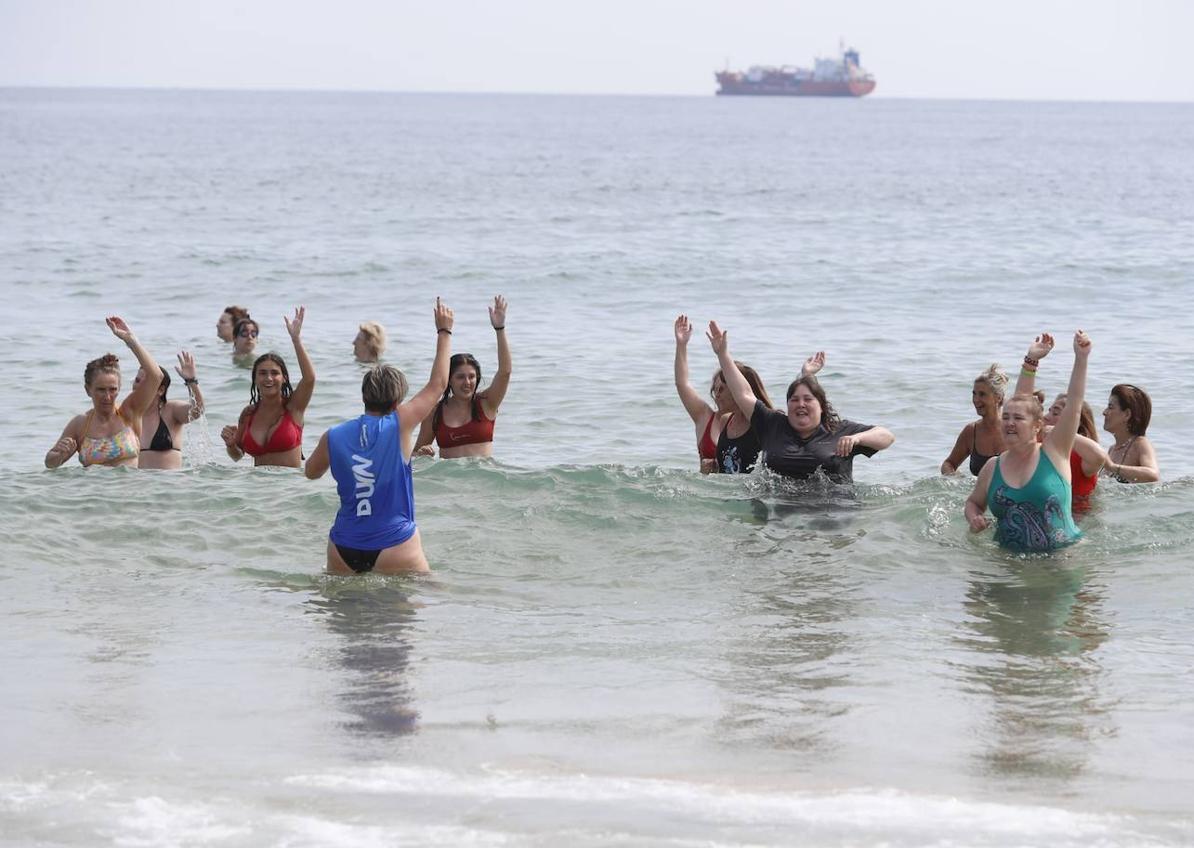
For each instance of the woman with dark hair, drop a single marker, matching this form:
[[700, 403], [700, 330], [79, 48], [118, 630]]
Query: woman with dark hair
[[982, 439], [370, 458], [810, 436], [109, 433], [725, 442], [270, 428], [1028, 487], [1132, 458], [462, 422], [244, 340], [161, 426], [226, 326]]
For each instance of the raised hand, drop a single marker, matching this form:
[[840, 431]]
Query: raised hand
[[1040, 347], [718, 338], [295, 326], [228, 434], [1082, 344], [444, 316], [186, 365], [497, 313], [683, 330], [119, 328], [813, 364]]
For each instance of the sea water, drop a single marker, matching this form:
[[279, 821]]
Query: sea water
[[612, 649]]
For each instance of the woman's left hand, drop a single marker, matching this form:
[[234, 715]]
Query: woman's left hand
[[1082, 344], [295, 327], [186, 365], [846, 445], [718, 338], [497, 312], [119, 328]]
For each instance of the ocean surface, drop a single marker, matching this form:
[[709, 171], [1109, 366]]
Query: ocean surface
[[612, 649]]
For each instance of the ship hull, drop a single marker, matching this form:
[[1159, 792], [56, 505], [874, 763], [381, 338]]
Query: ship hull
[[796, 88]]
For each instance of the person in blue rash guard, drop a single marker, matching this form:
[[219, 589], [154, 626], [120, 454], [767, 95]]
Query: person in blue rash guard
[[369, 457]]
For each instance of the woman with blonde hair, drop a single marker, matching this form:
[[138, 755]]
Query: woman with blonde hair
[[370, 342], [982, 439]]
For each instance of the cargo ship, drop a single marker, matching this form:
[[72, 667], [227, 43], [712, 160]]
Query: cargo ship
[[842, 77]]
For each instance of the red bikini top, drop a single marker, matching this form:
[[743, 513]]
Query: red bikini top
[[706, 447], [286, 436], [475, 431]]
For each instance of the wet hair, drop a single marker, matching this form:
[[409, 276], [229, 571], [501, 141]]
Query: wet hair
[[242, 323], [1035, 408], [1086, 421], [287, 389], [382, 387], [375, 336], [829, 417], [753, 378], [996, 379], [108, 363], [458, 360], [1137, 402], [237, 314], [164, 386]]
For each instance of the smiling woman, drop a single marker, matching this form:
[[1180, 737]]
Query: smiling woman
[[270, 428]]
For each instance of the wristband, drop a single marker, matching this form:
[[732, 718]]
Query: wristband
[[1028, 360], [1028, 372], [444, 330], [193, 381], [495, 329]]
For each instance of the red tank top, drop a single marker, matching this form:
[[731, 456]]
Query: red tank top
[[286, 436], [1083, 486], [472, 432], [706, 447]]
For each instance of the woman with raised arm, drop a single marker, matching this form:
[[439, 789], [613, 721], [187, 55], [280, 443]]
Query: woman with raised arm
[[725, 442], [1028, 486], [109, 433], [161, 427], [370, 458], [982, 439], [809, 437], [270, 428], [1132, 458], [462, 422], [1087, 455]]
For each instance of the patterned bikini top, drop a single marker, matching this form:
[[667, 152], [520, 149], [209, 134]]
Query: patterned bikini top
[[108, 450]]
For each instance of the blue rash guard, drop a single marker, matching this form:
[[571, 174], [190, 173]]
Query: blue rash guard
[[377, 499]]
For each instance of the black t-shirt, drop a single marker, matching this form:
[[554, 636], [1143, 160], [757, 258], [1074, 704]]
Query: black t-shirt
[[737, 456], [792, 456]]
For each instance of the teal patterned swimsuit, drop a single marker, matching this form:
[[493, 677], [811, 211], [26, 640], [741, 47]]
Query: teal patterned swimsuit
[[1036, 517]]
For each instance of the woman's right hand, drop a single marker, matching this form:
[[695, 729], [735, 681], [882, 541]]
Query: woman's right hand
[[978, 523], [683, 330], [228, 434], [425, 450], [119, 328], [718, 338], [1040, 347], [443, 316], [66, 446], [1082, 344], [813, 364]]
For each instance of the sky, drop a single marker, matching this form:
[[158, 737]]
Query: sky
[[1015, 49]]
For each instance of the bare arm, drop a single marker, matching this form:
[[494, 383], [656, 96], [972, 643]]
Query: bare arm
[[425, 438], [67, 444], [697, 409], [743, 395], [297, 403], [493, 396], [960, 452], [233, 435], [976, 504], [1146, 472], [423, 403], [1060, 440], [876, 438], [319, 461], [1092, 454], [189, 411], [138, 401], [1038, 350]]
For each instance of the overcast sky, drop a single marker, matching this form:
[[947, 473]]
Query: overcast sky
[[1017, 49]]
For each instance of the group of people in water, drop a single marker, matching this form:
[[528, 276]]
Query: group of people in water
[[1034, 468]]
